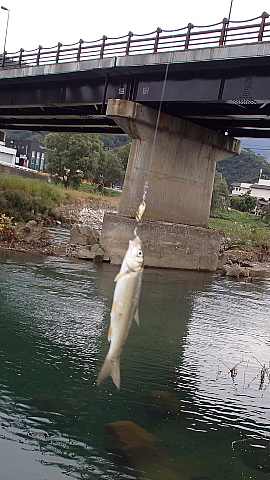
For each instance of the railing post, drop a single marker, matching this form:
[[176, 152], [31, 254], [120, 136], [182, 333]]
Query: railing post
[[263, 17], [159, 30], [223, 33], [4, 59], [79, 50], [38, 54], [104, 38], [189, 27], [21, 56], [130, 34], [58, 52]]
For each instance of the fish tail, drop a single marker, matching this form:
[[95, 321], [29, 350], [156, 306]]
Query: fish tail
[[110, 367]]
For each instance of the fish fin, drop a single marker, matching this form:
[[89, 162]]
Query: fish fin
[[110, 367], [110, 333], [114, 307], [120, 275], [136, 317]]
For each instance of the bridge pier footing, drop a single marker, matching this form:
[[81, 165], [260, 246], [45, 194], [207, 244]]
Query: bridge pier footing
[[178, 161], [165, 245]]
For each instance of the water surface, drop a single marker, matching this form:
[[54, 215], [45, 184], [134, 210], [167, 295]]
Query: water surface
[[194, 328]]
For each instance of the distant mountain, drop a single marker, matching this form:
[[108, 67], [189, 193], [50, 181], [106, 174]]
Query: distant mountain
[[25, 135], [260, 146], [114, 141], [245, 167], [110, 141]]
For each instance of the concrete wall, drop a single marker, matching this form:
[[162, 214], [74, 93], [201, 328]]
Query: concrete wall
[[20, 172], [178, 160], [260, 193], [165, 245]]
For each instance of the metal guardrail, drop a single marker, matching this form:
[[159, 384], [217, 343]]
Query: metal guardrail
[[221, 34]]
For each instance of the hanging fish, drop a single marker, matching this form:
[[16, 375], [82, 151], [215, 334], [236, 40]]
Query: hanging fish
[[124, 309]]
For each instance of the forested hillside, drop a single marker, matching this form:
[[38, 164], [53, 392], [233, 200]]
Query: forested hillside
[[24, 135], [110, 141], [114, 141], [243, 168], [260, 146]]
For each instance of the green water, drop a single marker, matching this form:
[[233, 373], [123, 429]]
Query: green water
[[194, 327]]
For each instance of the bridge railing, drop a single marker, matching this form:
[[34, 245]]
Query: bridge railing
[[221, 34]]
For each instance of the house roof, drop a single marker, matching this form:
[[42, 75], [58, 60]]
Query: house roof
[[262, 187], [262, 201]]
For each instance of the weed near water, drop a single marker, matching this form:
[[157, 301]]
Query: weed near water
[[27, 199], [241, 229]]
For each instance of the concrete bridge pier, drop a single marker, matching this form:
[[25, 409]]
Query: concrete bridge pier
[[179, 165]]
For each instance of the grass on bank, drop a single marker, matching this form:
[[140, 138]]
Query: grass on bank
[[26, 199], [241, 229], [95, 189]]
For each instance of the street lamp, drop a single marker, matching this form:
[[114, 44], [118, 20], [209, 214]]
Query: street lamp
[[5, 8], [230, 11], [229, 17]]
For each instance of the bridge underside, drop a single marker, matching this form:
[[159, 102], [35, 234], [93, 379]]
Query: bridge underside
[[237, 121], [230, 96]]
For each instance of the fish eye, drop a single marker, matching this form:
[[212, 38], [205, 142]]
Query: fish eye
[[140, 253]]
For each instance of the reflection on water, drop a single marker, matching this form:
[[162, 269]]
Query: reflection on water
[[195, 327]]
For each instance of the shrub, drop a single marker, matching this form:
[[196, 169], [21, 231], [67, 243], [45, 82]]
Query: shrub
[[241, 229], [26, 199], [244, 203], [7, 229]]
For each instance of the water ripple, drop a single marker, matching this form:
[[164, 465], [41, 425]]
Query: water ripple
[[201, 338]]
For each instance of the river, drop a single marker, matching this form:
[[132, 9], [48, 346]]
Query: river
[[194, 328]]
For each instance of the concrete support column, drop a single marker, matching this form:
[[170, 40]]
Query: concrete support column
[[179, 165]]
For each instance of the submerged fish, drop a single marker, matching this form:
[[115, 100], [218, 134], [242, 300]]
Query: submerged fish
[[124, 309]]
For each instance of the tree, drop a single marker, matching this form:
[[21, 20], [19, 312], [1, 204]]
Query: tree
[[244, 203], [220, 195], [251, 202], [110, 170], [266, 214], [238, 203], [123, 154], [73, 157]]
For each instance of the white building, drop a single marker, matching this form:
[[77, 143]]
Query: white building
[[7, 155], [257, 190]]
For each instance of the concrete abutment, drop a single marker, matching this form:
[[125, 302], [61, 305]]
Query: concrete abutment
[[165, 245], [178, 160]]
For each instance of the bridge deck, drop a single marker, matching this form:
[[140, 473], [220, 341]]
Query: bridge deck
[[222, 88]]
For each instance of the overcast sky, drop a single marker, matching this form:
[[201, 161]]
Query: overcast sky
[[33, 23]]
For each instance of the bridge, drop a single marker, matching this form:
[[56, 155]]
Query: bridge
[[218, 77], [182, 96]]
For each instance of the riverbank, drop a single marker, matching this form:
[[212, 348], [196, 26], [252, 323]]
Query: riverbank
[[83, 242], [246, 237], [37, 206], [34, 237]]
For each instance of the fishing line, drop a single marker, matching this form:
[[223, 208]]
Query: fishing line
[[142, 206]]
